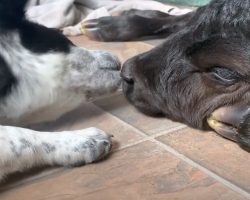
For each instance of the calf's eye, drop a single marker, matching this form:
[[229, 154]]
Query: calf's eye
[[224, 75]]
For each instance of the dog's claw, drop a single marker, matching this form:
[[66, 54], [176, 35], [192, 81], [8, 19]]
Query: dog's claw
[[90, 29], [92, 33]]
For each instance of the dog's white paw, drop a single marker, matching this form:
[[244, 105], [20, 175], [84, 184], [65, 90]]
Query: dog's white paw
[[81, 147]]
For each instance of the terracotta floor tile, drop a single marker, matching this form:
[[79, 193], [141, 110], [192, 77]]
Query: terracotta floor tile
[[118, 106], [123, 50], [144, 171], [221, 156], [88, 115]]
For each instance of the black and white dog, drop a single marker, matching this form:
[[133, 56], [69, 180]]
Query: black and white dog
[[42, 71]]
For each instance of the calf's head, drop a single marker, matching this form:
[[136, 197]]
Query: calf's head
[[201, 75]]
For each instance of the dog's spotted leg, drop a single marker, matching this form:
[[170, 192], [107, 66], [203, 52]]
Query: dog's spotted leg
[[22, 149]]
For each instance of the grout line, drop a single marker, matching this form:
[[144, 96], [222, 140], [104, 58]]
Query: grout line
[[132, 144], [123, 122], [148, 138], [171, 150], [141, 132], [205, 170], [170, 130], [194, 164]]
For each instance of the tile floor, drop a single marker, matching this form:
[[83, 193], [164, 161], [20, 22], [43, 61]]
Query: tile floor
[[152, 159]]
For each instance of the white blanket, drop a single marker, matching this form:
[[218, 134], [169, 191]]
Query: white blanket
[[69, 14]]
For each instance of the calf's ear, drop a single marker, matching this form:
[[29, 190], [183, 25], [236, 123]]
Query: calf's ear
[[232, 53]]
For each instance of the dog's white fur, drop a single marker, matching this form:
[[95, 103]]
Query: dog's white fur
[[51, 84], [22, 149]]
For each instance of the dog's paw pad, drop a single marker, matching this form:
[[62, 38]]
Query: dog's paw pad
[[91, 145]]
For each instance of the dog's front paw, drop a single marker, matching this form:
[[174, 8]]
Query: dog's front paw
[[81, 147], [96, 145]]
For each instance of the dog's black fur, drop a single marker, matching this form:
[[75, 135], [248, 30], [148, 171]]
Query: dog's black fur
[[203, 65], [7, 79], [34, 37]]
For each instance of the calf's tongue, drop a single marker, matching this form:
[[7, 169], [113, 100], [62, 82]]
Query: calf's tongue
[[226, 120]]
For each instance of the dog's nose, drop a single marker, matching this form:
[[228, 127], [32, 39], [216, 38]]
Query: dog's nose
[[126, 72], [116, 64], [106, 60]]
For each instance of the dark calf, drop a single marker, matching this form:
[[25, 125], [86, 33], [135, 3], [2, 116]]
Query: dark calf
[[201, 74]]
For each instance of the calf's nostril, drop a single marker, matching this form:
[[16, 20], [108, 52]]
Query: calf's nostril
[[118, 64], [127, 79], [126, 72]]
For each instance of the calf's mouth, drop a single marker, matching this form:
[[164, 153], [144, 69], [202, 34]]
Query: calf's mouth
[[232, 122]]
